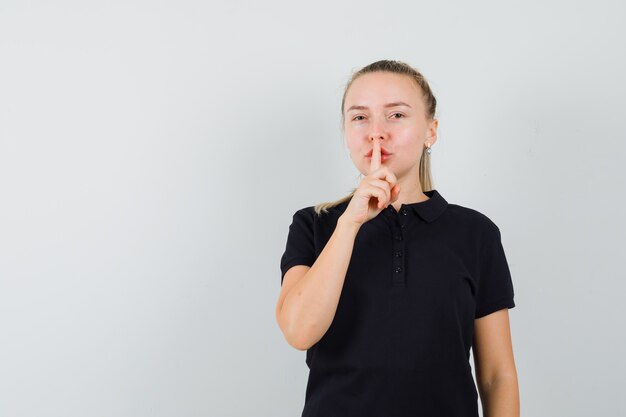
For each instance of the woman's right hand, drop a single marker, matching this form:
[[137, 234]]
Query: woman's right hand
[[375, 192]]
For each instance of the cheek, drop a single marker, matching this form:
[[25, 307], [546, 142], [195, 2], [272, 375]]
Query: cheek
[[353, 145], [408, 131], [409, 138]]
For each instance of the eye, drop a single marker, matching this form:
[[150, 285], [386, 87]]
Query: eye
[[398, 114], [355, 117]]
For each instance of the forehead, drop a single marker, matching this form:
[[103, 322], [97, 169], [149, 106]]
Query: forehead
[[378, 88]]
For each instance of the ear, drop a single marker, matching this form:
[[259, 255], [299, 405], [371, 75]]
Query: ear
[[431, 136]]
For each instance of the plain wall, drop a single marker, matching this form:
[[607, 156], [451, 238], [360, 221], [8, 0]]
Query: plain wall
[[152, 155]]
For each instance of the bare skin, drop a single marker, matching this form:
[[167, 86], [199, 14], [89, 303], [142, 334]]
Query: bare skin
[[496, 375], [389, 108]]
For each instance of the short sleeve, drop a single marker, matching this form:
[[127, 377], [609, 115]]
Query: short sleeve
[[300, 247], [495, 287]]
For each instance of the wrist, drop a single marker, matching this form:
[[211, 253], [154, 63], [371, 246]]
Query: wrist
[[347, 225]]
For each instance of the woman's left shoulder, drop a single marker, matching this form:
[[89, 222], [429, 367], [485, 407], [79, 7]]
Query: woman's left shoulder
[[471, 217]]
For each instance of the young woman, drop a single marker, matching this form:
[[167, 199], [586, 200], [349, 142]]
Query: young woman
[[388, 288]]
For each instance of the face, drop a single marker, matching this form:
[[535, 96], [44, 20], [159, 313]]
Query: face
[[387, 107]]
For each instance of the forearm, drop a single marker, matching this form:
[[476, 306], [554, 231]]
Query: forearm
[[500, 398], [310, 306]]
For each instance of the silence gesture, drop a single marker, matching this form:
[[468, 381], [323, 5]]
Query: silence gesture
[[375, 192]]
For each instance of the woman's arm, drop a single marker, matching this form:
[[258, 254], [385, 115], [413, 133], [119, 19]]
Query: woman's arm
[[306, 310], [496, 375]]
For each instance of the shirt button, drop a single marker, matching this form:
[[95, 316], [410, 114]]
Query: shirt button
[[404, 212], [398, 237], [399, 254], [398, 270]]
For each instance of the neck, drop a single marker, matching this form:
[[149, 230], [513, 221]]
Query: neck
[[410, 192]]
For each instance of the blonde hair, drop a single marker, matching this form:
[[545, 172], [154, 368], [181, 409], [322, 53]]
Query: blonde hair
[[396, 67]]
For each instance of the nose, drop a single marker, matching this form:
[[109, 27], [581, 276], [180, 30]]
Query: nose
[[377, 135], [377, 131]]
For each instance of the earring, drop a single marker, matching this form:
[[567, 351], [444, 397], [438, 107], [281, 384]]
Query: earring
[[428, 150]]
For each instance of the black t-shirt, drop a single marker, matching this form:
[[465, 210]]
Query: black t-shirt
[[400, 339]]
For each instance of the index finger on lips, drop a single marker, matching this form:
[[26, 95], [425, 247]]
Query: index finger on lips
[[375, 162]]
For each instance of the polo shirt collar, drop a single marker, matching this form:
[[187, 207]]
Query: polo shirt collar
[[430, 209]]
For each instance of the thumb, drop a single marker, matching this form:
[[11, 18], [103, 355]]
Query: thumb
[[395, 191]]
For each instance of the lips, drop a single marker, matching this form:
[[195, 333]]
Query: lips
[[383, 157], [383, 151]]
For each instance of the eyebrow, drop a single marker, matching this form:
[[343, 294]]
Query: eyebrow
[[394, 104]]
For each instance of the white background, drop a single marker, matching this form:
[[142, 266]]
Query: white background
[[152, 154]]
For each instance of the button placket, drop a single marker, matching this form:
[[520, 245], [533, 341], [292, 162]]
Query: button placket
[[399, 273]]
